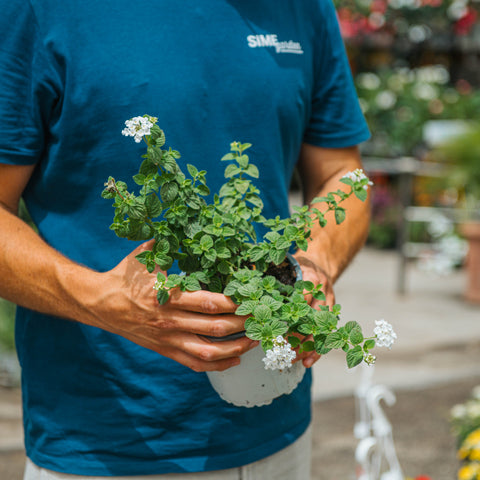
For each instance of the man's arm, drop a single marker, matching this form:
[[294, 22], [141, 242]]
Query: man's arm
[[122, 301], [333, 246]]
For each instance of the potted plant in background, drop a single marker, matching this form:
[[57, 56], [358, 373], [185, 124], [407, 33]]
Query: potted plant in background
[[463, 153], [216, 248]]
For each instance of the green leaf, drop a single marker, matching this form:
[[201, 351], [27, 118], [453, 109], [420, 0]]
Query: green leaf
[[192, 284], [215, 285], [139, 179], [231, 171], [339, 215], [369, 344], [302, 244], [228, 156], [318, 295], [356, 335], [277, 256], [361, 194], [307, 346], [282, 243], [354, 356], [246, 308], [169, 192], [304, 285], [145, 257], [246, 290], [224, 268], [256, 253], [252, 171], [223, 252], [192, 170], [243, 161], [147, 168], [165, 262], [262, 313], [206, 242], [334, 340], [241, 186], [203, 190], [254, 331], [211, 255], [306, 328], [162, 296], [231, 288], [278, 328], [294, 341], [272, 236], [349, 326], [153, 205]]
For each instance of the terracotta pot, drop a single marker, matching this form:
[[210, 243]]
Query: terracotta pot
[[471, 232]]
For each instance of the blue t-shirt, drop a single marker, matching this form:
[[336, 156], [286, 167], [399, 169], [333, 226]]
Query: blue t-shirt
[[269, 72]]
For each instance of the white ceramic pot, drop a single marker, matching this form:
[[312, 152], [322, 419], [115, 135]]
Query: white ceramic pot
[[250, 384]]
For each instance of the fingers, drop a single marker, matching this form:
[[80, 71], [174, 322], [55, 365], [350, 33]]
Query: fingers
[[199, 354], [202, 302]]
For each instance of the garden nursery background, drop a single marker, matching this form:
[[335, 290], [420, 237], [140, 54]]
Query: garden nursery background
[[416, 413]]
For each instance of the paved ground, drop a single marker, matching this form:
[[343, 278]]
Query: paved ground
[[433, 366]]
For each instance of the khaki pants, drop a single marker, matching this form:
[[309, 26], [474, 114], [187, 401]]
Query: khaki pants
[[291, 463]]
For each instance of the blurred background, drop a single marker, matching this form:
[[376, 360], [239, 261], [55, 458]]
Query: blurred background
[[416, 65]]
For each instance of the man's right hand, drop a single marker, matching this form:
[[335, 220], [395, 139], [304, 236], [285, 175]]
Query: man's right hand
[[126, 304]]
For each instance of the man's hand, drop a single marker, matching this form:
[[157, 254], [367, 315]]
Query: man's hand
[[315, 274], [127, 305]]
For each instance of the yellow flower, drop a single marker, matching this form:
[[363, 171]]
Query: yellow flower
[[474, 454], [470, 471]]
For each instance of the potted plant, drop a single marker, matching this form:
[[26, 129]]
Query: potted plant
[[215, 246], [463, 153]]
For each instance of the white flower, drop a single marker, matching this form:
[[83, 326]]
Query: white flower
[[439, 225], [280, 356], [458, 411], [476, 392], [357, 176], [368, 80], [137, 127], [425, 91], [384, 333], [386, 99], [370, 359]]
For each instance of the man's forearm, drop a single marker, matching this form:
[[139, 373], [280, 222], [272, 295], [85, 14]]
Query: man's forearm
[[34, 275], [332, 247]]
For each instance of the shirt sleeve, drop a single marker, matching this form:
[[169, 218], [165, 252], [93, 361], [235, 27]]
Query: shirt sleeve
[[27, 91], [336, 120]]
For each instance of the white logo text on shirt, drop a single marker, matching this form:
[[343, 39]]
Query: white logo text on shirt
[[271, 40]]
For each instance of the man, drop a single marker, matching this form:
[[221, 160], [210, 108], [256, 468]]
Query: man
[[113, 383]]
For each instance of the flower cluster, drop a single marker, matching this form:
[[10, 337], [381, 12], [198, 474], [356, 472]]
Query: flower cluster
[[415, 21], [385, 336], [138, 127], [280, 356], [398, 104], [465, 420], [357, 176]]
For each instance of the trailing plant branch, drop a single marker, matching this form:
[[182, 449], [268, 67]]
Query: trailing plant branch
[[216, 247]]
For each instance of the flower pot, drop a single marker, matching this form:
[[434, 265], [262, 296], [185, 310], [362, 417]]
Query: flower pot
[[471, 231], [250, 384]]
